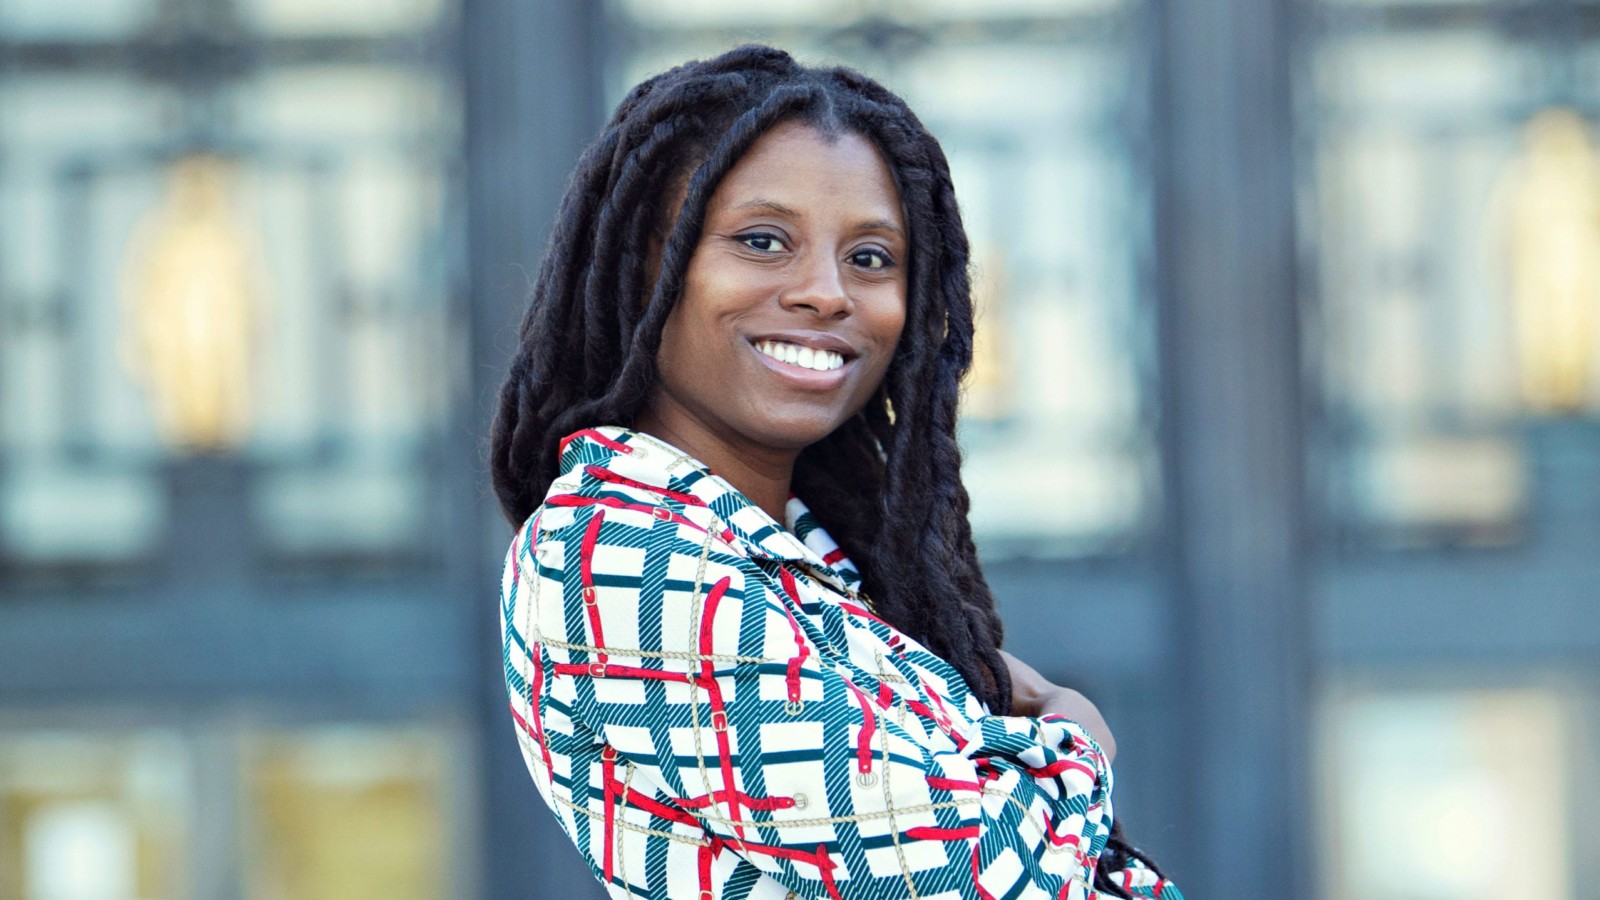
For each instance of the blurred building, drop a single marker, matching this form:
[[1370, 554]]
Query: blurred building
[[1290, 310]]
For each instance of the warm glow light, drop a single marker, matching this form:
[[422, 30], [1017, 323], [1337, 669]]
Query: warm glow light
[[79, 850], [1555, 262], [191, 290]]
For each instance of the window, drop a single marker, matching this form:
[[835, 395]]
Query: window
[[236, 269], [1434, 133], [1422, 798], [99, 816]]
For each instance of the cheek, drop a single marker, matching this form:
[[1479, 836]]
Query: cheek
[[887, 326], [895, 325], [698, 303], [713, 292], [888, 318]]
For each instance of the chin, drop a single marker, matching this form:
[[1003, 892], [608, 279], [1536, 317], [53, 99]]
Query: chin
[[798, 429]]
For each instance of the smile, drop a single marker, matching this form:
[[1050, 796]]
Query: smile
[[804, 357]]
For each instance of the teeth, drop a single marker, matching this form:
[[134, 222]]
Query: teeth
[[804, 357]]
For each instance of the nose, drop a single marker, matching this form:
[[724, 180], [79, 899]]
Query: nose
[[819, 288]]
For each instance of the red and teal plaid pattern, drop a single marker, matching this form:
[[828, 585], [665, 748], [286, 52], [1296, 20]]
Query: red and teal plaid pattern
[[712, 710]]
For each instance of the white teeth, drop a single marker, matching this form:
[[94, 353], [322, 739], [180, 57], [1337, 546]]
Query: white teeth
[[804, 357]]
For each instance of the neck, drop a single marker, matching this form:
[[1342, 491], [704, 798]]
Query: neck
[[763, 474]]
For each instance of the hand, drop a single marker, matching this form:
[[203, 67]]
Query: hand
[[1034, 695]]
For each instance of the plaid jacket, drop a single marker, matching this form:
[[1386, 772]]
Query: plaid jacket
[[711, 709]]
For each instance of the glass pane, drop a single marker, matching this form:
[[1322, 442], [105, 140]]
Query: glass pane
[[725, 13], [80, 20], [293, 17], [1443, 482], [344, 108], [94, 816], [1376, 75], [347, 813], [1422, 790], [995, 9], [45, 503], [1043, 134], [350, 508]]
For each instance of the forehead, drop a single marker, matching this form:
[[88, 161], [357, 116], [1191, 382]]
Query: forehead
[[796, 165]]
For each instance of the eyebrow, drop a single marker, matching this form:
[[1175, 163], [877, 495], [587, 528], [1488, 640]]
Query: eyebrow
[[880, 225], [770, 206], [777, 208]]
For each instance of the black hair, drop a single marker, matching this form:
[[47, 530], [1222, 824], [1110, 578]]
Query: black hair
[[886, 485]]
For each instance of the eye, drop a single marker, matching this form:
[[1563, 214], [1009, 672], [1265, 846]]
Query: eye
[[762, 241], [871, 258]]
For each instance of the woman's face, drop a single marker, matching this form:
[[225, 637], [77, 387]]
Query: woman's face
[[794, 299]]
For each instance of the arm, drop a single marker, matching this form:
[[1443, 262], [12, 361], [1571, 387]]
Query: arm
[[689, 668], [1034, 695]]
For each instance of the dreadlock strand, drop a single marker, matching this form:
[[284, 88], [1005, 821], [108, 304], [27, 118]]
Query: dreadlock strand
[[619, 220]]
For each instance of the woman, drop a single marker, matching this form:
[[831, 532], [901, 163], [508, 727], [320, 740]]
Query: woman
[[749, 646]]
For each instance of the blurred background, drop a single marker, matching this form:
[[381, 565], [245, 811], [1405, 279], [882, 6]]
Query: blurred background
[[1289, 313]]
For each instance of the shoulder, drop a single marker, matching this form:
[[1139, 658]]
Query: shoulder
[[609, 473], [629, 569]]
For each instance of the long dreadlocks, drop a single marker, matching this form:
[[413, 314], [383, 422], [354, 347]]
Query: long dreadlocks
[[887, 483]]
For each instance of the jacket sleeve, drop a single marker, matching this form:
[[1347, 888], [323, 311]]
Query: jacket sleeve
[[685, 661]]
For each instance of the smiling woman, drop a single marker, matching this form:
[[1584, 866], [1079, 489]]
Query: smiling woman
[[750, 649]]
